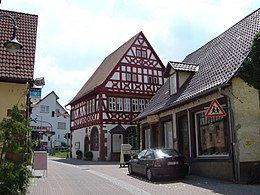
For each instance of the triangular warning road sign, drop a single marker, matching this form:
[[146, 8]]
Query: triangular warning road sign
[[215, 109]]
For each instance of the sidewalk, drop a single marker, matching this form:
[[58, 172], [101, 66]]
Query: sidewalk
[[56, 179]]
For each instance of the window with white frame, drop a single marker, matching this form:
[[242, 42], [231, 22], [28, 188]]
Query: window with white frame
[[173, 84], [143, 54], [45, 109], [127, 104], [168, 135], [141, 104], [134, 77], [119, 103], [112, 103], [61, 125], [135, 105], [138, 52], [93, 105], [211, 135], [128, 77]]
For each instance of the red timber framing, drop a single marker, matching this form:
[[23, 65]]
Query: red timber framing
[[120, 88]]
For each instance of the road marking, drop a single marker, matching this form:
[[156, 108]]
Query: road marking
[[132, 189]]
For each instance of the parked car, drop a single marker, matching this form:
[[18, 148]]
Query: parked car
[[155, 163]]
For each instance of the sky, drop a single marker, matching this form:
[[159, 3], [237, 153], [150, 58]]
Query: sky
[[75, 36]]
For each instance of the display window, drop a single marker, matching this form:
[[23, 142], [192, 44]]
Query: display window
[[211, 135]]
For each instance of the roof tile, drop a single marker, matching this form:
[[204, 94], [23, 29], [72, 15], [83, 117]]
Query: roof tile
[[218, 60], [24, 59]]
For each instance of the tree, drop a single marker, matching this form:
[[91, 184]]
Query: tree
[[250, 69]]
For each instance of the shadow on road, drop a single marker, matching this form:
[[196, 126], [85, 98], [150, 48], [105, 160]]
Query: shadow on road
[[73, 161], [214, 185]]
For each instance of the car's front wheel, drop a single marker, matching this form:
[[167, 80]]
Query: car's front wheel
[[130, 169], [149, 174]]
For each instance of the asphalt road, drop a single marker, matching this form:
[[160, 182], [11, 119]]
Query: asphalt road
[[79, 177]]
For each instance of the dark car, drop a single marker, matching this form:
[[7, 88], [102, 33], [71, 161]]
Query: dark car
[[155, 163]]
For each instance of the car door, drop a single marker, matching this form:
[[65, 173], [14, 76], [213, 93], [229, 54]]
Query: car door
[[146, 161], [137, 163]]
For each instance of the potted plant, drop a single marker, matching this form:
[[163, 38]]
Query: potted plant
[[79, 154], [88, 155]]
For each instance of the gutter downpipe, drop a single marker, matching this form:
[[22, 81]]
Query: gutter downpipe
[[232, 133], [189, 130]]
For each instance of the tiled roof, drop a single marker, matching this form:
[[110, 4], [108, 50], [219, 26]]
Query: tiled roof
[[180, 66], [184, 66], [18, 67], [218, 60], [104, 69]]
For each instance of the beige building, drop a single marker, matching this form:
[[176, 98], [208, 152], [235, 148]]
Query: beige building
[[207, 111], [16, 69]]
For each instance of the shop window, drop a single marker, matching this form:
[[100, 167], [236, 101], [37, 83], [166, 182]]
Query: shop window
[[168, 135], [211, 136], [147, 138]]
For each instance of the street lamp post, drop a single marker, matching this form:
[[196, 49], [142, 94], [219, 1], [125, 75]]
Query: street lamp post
[[12, 45]]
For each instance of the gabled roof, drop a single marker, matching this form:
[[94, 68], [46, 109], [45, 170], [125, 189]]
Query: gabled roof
[[219, 61], [18, 67], [105, 68], [56, 98], [180, 66]]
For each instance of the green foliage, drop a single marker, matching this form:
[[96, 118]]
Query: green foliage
[[15, 153], [250, 70], [88, 155], [79, 154], [14, 132], [13, 179]]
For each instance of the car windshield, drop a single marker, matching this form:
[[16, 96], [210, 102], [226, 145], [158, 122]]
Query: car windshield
[[166, 153]]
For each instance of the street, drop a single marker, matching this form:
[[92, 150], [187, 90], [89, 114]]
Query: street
[[79, 177]]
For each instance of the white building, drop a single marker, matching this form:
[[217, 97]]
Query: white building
[[50, 122]]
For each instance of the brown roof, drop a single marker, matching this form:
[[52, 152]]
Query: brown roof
[[105, 69], [18, 67], [219, 61]]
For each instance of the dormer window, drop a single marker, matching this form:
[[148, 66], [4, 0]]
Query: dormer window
[[173, 83]]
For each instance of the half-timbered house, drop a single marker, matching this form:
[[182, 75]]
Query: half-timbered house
[[103, 110]]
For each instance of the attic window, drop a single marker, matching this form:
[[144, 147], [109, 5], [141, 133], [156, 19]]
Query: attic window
[[138, 52], [143, 54], [173, 84]]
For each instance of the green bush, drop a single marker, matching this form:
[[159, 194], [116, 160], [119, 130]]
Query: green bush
[[13, 179], [79, 154], [88, 155], [15, 153]]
